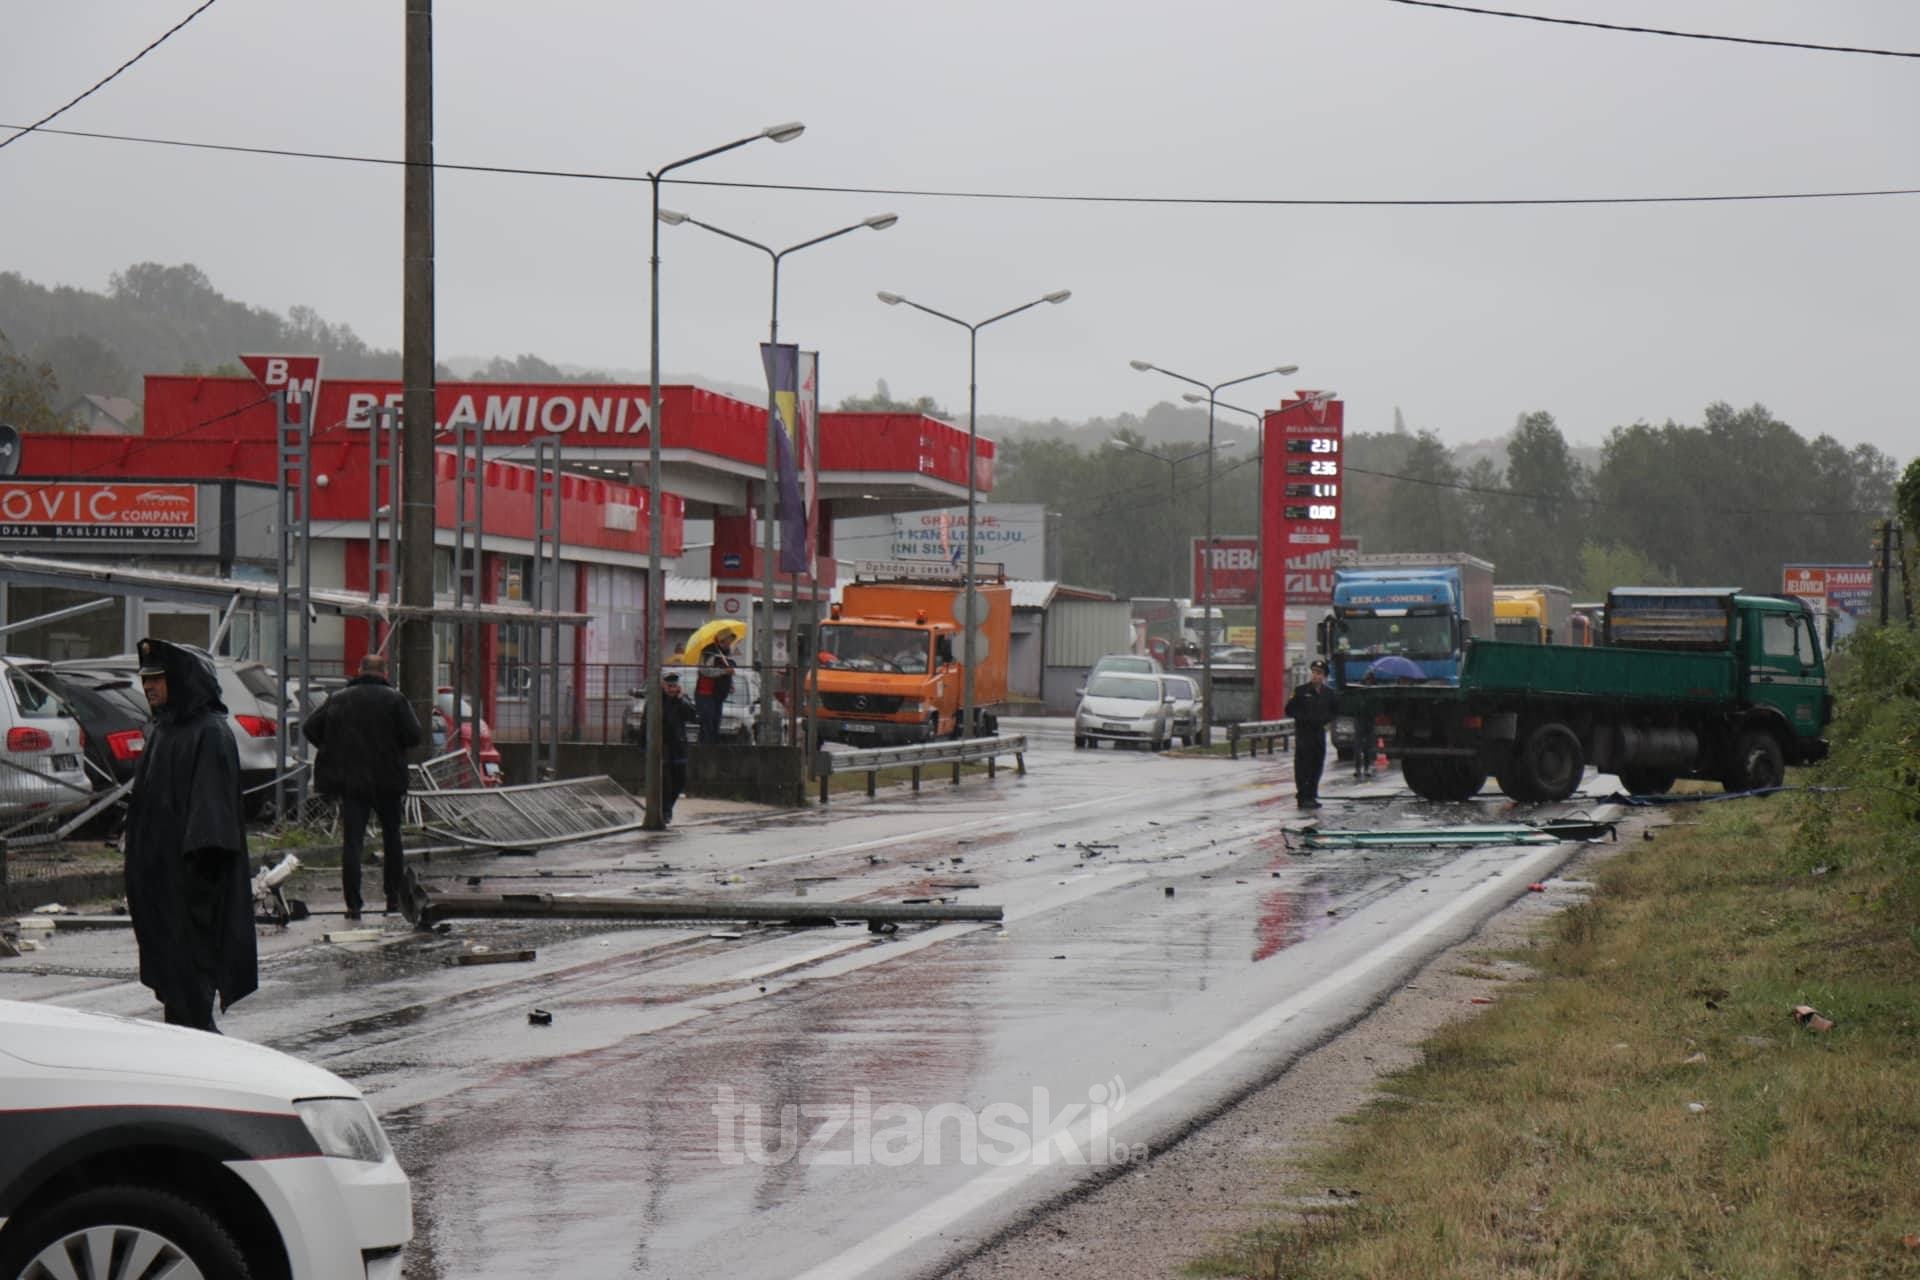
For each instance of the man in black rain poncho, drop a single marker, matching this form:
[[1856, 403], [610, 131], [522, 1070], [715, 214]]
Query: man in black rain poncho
[[187, 885]]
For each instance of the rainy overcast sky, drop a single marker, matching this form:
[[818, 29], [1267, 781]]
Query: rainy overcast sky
[[1461, 317]]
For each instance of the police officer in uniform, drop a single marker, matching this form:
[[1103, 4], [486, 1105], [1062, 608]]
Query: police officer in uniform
[[1312, 707]]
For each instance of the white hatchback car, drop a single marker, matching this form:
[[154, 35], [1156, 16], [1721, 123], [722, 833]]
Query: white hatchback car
[[42, 766], [132, 1148], [1122, 706]]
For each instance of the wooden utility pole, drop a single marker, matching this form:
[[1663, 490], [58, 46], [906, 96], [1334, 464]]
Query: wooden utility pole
[[417, 358]]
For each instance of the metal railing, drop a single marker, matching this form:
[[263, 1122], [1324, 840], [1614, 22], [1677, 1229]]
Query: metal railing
[[872, 760], [1255, 732]]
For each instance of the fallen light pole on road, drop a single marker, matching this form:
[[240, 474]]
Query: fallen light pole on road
[[427, 908]]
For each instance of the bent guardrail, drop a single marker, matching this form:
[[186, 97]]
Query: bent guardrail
[[871, 760], [1255, 732]]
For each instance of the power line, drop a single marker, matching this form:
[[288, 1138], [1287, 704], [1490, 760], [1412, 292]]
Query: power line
[[1657, 31], [102, 83], [935, 193]]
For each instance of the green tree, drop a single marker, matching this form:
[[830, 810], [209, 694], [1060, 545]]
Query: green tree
[[882, 401], [29, 393], [1427, 510], [1539, 523], [84, 365], [1604, 566]]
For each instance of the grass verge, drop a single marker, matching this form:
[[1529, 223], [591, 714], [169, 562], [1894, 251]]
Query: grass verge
[[1646, 1103]]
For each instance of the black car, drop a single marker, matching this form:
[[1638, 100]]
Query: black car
[[113, 714]]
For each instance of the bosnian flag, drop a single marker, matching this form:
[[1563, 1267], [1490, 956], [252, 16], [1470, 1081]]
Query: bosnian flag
[[783, 377]]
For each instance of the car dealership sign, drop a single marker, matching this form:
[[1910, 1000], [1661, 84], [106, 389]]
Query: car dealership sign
[[63, 511]]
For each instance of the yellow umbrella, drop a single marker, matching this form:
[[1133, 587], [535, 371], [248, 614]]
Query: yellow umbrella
[[706, 636]]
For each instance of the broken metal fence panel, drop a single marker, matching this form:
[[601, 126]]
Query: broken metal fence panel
[[530, 817], [34, 800], [1255, 732], [872, 760]]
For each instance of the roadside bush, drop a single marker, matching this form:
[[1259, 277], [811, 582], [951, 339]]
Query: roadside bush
[[1875, 763]]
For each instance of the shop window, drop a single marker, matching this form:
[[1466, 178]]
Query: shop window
[[100, 634]]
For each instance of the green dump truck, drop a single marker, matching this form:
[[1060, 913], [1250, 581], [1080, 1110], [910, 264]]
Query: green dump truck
[[1691, 683]]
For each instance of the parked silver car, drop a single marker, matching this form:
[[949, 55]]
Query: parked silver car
[[1124, 706], [1188, 707], [41, 750]]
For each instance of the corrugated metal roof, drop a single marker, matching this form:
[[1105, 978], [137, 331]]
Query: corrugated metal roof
[[1032, 595], [689, 590]]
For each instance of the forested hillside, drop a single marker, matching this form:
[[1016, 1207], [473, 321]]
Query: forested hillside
[[1726, 500]]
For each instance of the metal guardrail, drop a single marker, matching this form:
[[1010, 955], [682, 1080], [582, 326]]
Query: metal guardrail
[[1255, 732], [871, 760]]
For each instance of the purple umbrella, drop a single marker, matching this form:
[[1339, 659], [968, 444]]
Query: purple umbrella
[[1394, 667]]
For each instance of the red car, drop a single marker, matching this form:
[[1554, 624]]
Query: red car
[[488, 755]]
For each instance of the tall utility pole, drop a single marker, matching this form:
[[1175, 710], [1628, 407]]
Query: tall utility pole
[[416, 360]]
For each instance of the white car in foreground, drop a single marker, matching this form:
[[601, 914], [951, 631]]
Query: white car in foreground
[[132, 1148]]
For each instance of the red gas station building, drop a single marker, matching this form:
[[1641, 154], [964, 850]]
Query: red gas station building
[[195, 494]]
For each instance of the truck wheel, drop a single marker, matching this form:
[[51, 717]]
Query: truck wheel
[[1647, 782], [1509, 781], [1422, 777], [1551, 762], [1757, 762], [1461, 780]]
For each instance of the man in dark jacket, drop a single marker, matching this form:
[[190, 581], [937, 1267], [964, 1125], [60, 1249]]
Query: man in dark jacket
[[1312, 707], [715, 683], [364, 733], [186, 876], [676, 713]]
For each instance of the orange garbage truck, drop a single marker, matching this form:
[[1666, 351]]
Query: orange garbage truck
[[890, 656]]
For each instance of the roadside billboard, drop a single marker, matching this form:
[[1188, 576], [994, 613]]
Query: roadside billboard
[[1844, 588], [1009, 533]]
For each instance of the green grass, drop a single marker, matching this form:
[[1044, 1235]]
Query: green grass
[[1554, 1135]]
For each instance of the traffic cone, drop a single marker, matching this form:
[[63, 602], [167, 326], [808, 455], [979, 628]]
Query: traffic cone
[[1380, 764]]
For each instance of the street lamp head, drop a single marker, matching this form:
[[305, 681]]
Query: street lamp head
[[891, 299], [671, 217], [1287, 368], [1058, 295], [784, 132], [1141, 365], [1227, 444], [1194, 397], [880, 221]]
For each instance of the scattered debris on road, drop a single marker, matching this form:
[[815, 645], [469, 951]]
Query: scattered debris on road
[[486, 955]]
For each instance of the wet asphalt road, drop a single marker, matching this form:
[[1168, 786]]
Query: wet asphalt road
[[831, 1102]]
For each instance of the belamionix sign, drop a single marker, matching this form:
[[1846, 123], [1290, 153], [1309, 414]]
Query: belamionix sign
[[72, 512]]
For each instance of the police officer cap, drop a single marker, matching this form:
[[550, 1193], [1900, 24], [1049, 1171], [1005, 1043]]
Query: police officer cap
[[150, 664], [1318, 664]]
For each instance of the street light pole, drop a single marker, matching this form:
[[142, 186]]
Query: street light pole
[[1173, 498], [656, 525], [1206, 553], [763, 639], [969, 594]]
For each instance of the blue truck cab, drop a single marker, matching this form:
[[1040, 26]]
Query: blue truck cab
[[1421, 609]]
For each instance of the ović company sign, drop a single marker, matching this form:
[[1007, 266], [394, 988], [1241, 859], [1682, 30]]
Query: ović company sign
[[63, 511]]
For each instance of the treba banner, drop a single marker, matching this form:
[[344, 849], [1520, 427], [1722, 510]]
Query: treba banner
[[99, 512], [1236, 573]]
